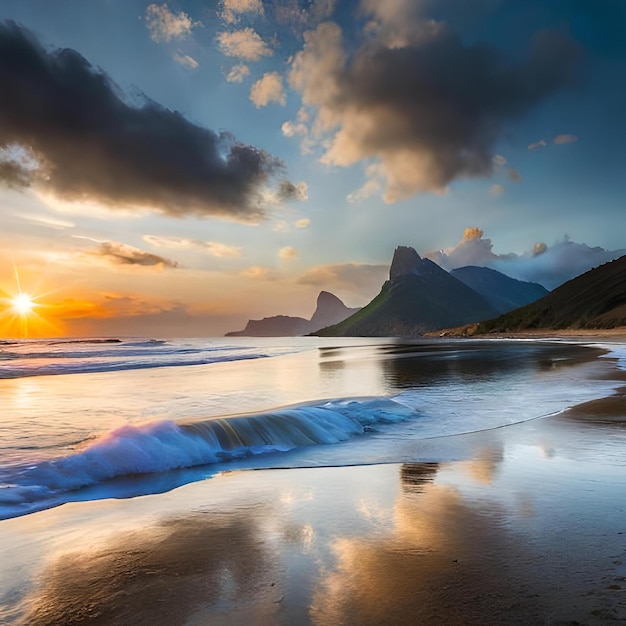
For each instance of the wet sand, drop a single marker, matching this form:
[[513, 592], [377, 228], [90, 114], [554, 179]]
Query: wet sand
[[524, 524], [521, 525]]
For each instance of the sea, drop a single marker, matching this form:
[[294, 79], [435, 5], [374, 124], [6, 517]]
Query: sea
[[87, 419]]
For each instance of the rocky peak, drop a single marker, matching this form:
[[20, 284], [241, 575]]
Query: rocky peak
[[330, 310], [327, 299], [405, 261]]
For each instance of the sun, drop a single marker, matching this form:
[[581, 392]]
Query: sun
[[22, 304]]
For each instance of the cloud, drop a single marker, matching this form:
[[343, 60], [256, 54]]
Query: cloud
[[426, 106], [185, 60], [303, 222], [165, 25], [214, 248], [287, 253], [498, 159], [496, 190], [294, 129], [562, 139], [362, 279], [123, 254], [542, 143], [290, 191], [300, 129], [370, 188], [234, 8], [45, 220], [514, 175], [18, 166], [237, 73], [244, 44], [269, 88], [258, 272], [302, 13], [548, 265], [91, 145]]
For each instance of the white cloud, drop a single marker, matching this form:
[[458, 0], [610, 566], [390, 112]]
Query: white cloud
[[214, 248], [165, 25], [287, 253], [237, 73], [542, 143], [498, 159], [294, 129], [185, 60], [234, 8], [548, 265], [269, 88], [563, 139], [259, 272], [244, 44], [303, 222], [370, 188]]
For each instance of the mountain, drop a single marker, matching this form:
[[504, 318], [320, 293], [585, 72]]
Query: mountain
[[329, 310], [595, 299], [501, 291], [419, 297], [275, 326]]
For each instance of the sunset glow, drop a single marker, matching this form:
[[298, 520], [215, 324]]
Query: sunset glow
[[234, 159]]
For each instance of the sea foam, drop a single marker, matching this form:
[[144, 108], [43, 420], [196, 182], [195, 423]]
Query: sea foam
[[165, 445]]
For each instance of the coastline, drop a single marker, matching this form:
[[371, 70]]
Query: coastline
[[618, 334], [518, 524]]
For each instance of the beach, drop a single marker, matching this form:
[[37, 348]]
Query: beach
[[496, 521]]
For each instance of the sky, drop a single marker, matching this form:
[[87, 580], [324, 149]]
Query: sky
[[174, 169]]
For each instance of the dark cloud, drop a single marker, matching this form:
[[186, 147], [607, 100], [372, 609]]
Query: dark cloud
[[128, 255], [93, 144], [427, 105], [14, 175], [290, 191]]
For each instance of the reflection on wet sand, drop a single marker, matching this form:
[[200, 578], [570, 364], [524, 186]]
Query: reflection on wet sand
[[447, 558], [162, 575], [405, 366], [442, 562]]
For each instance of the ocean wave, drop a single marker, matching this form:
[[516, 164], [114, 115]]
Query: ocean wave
[[85, 341], [164, 446], [122, 351], [75, 356], [113, 365]]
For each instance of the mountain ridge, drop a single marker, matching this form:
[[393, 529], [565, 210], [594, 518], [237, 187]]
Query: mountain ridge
[[329, 309], [595, 299], [419, 297]]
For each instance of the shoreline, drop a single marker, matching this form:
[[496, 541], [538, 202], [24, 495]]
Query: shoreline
[[618, 334], [467, 539], [519, 524]]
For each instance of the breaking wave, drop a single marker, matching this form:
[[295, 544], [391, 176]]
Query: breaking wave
[[165, 445]]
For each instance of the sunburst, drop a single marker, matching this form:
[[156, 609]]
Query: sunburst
[[23, 304], [21, 315]]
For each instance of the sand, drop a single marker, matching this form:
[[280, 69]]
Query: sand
[[524, 524]]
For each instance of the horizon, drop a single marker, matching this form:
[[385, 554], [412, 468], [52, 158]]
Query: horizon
[[198, 164]]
